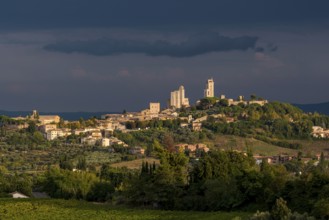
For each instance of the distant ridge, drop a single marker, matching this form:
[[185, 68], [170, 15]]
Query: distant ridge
[[322, 108], [65, 115]]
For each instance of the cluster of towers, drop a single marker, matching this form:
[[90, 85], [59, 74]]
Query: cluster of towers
[[178, 99]]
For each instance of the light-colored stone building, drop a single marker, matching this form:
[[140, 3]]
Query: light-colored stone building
[[48, 119], [96, 134], [241, 100], [89, 141], [105, 142], [237, 102], [17, 126], [210, 88], [154, 107], [113, 117], [191, 147], [137, 150], [150, 113], [319, 132], [47, 127], [116, 141], [18, 195], [45, 119], [56, 133], [177, 98], [259, 102]]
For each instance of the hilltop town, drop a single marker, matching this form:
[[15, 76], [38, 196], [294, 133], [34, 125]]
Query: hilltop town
[[48, 124], [164, 110], [152, 157], [103, 131]]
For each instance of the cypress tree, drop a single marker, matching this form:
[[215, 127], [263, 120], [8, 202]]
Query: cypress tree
[[146, 167]]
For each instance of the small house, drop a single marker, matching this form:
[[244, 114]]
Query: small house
[[18, 195]]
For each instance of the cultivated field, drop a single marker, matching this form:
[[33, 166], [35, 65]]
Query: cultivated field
[[71, 209], [309, 147], [135, 164], [228, 142]]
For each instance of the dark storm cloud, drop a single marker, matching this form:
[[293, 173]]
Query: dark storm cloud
[[35, 78], [271, 47], [259, 49], [195, 45], [132, 13]]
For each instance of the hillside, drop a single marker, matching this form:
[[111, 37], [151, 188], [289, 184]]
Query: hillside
[[186, 178], [322, 108]]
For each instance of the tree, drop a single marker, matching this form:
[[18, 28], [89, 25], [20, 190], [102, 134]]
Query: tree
[[280, 210], [82, 122], [82, 163], [65, 163], [157, 146], [101, 192], [322, 162], [222, 194], [32, 127], [206, 103], [36, 115], [61, 123], [321, 209], [69, 185], [168, 142], [223, 102], [38, 137], [131, 125], [3, 131]]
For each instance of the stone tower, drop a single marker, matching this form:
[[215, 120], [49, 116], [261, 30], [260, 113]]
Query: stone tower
[[177, 98], [210, 88]]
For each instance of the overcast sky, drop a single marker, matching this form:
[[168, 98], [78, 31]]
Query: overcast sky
[[104, 55]]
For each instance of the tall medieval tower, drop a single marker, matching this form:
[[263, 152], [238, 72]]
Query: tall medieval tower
[[178, 99], [210, 88]]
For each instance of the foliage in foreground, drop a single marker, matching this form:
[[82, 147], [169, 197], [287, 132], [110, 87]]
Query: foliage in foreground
[[72, 209], [217, 181], [280, 211]]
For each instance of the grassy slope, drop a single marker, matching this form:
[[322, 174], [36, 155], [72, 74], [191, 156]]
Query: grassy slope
[[313, 147], [228, 142], [63, 209], [309, 147], [135, 164]]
